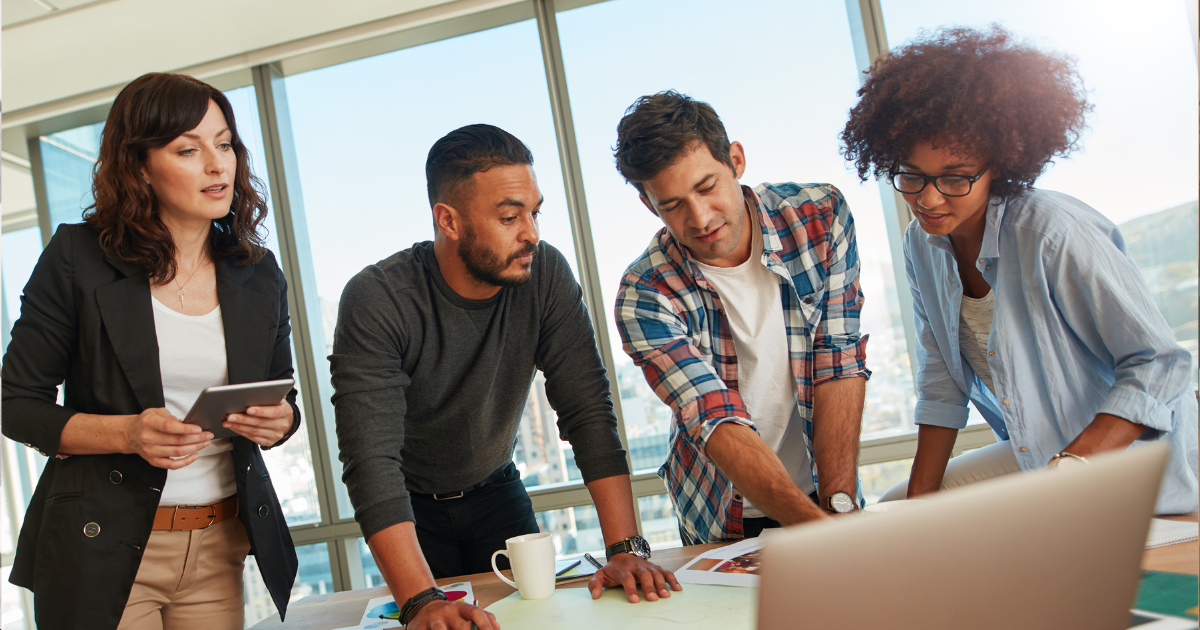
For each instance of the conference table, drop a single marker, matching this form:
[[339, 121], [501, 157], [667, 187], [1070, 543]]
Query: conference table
[[339, 610]]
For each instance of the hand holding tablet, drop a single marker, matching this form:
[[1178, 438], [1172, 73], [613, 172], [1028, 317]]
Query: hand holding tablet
[[211, 410]]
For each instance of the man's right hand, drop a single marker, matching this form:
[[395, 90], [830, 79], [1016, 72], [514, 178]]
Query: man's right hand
[[443, 615], [159, 437]]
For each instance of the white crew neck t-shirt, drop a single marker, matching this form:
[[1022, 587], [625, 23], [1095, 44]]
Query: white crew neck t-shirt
[[753, 306], [191, 357]]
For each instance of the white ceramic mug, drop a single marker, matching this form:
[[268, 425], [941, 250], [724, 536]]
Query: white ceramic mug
[[532, 560]]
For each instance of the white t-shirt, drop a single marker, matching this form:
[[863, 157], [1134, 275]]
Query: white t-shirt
[[191, 357], [974, 329], [750, 296]]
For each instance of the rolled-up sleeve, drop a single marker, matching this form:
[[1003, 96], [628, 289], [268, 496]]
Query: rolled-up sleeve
[[839, 349]]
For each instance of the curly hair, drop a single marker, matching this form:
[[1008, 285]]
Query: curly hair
[[149, 113], [979, 92]]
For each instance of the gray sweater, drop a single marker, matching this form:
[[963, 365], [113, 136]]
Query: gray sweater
[[430, 386]]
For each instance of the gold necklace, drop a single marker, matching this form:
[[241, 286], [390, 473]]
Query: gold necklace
[[179, 290]]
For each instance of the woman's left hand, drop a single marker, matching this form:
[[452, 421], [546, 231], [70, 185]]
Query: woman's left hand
[[263, 425]]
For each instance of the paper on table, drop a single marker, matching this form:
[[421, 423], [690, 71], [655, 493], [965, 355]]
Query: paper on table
[[733, 565], [580, 571], [696, 607], [382, 612], [1164, 532]]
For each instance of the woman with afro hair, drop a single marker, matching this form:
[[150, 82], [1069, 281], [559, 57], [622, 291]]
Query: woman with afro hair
[[1025, 300]]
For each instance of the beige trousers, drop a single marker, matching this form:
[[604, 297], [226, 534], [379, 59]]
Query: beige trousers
[[990, 461], [190, 580]]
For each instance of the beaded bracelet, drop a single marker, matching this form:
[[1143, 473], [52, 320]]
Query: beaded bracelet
[[418, 601]]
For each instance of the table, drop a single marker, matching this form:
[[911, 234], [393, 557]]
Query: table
[[337, 610]]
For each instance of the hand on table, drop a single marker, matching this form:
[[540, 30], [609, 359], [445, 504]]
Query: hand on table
[[264, 426], [630, 571], [443, 615], [159, 437]]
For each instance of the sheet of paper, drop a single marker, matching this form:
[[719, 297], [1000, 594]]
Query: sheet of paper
[[1164, 532], [382, 612], [733, 565], [696, 607]]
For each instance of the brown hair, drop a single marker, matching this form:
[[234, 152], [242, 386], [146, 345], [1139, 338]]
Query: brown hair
[[978, 92], [658, 129], [149, 113]]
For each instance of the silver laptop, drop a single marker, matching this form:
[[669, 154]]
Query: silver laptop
[[1050, 549]]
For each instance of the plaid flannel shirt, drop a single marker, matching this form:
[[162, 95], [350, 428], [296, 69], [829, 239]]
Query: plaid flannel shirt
[[673, 326]]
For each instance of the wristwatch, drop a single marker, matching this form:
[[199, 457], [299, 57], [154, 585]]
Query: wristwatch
[[839, 503], [635, 545], [1066, 460]]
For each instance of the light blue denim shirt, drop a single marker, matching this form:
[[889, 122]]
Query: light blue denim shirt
[[1075, 332]]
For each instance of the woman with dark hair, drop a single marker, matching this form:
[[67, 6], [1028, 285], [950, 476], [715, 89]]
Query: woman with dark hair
[[1026, 302], [140, 520]]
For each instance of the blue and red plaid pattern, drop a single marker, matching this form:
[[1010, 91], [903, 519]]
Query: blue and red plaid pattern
[[673, 326]]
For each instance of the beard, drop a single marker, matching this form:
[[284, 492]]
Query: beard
[[487, 266]]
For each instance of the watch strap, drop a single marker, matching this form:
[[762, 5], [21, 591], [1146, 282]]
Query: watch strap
[[629, 545], [419, 601]]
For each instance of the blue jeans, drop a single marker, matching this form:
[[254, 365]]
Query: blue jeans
[[459, 535]]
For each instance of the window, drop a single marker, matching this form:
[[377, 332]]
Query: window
[[1157, 212], [364, 178], [785, 98], [67, 161], [313, 577]]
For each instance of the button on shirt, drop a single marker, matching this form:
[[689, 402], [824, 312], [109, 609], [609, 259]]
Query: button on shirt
[[1075, 333], [673, 325]]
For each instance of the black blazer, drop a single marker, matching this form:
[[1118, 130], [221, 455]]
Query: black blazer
[[87, 319]]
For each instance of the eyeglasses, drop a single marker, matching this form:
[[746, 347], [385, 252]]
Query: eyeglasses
[[949, 185]]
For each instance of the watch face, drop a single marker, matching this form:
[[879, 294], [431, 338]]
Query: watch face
[[640, 546], [841, 502], [1068, 462]]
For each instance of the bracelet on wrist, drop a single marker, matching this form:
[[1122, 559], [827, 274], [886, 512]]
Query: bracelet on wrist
[[419, 601]]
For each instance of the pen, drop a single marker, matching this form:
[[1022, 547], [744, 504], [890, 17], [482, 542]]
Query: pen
[[593, 561], [572, 566]]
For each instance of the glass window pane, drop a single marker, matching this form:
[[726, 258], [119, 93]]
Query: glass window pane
[[877, 479], [659, 526], [1157, 55], [789, 130], [576, 530], [313, 578], [18, 255], [67, 161], [364, 184], [12, 604]]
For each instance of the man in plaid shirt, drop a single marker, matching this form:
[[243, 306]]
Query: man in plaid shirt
[[743, 315]]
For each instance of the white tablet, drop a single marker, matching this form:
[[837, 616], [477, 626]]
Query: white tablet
[[215, 403]]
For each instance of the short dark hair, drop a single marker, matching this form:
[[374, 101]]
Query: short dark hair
[[465, 151], [149, 113], [976, 91], [658, 129]]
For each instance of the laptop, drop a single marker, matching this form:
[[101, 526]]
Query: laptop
[[1048, 549]]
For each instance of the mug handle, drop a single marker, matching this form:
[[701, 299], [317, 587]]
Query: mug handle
[[497, 570]]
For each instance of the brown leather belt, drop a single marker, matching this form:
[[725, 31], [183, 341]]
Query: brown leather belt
[[185, 517]]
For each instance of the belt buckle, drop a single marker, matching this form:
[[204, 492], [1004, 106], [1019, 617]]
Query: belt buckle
[[446, 497], [211, 517]]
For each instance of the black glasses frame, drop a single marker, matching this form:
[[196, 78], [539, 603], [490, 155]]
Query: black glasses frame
[[930, 178]]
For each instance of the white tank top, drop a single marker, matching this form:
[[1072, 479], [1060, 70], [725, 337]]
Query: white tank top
[[750, 296], [191, 357], [974, 329]]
